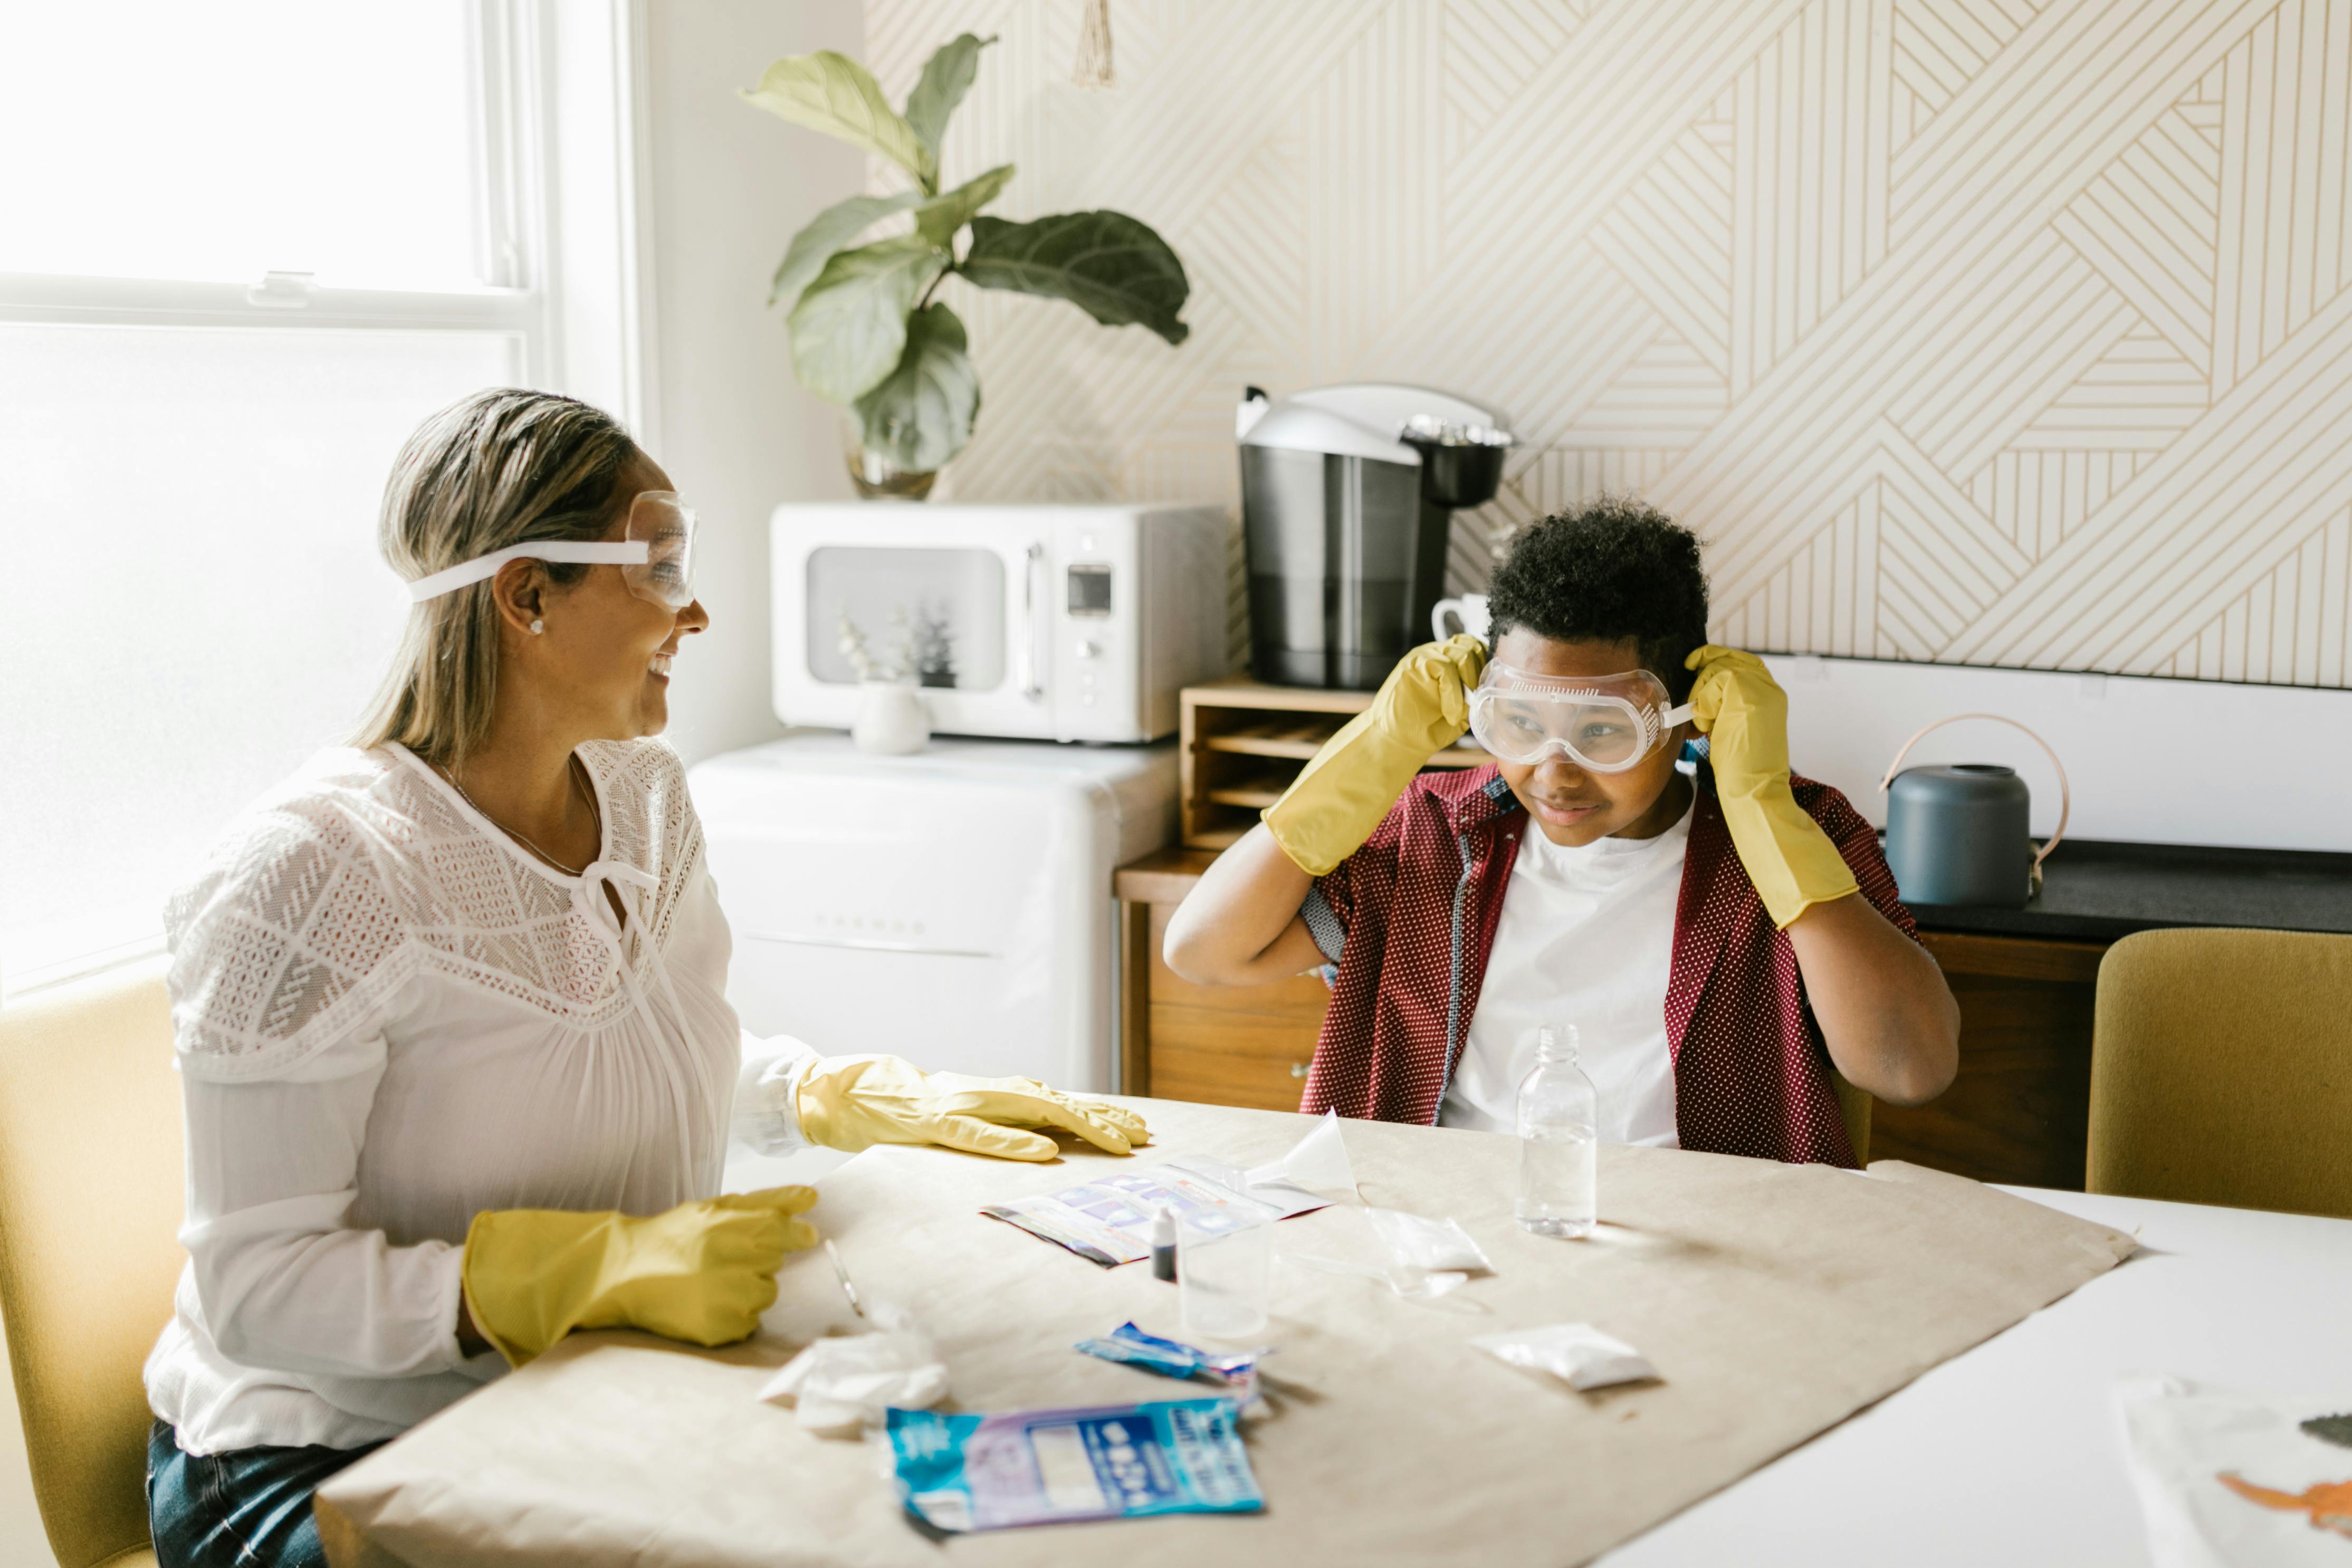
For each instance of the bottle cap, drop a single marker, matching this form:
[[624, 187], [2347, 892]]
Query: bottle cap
[[1555, 1044], [1163, 1226]]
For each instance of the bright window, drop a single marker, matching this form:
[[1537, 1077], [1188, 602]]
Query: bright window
[[191, 456], [222, 141]]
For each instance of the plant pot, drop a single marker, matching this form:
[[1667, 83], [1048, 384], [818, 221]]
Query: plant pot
[[875, 475], [891, 719]]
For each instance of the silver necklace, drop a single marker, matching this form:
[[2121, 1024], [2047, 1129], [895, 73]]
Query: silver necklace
[[571, 771]]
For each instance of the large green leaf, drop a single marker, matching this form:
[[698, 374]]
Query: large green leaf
[[947, 76], [827, 233], [938, 219], [850, 327], [921, 414], [1109, 265], [835, 94]]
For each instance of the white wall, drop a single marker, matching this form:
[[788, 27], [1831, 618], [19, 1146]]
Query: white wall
[[2008, 333], [2151, 762], [727, 186]]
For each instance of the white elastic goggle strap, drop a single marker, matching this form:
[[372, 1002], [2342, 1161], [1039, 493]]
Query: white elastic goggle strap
[[573, 551]]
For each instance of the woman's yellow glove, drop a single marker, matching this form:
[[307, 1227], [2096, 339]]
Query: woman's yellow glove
[[1341, 795], [855, 1102], [1744, 714], [701, 1272]]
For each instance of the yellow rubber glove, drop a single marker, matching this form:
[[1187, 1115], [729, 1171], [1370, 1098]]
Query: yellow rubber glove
[[701, 1272], [1342, 794], [854, 1102], [1744, 714]]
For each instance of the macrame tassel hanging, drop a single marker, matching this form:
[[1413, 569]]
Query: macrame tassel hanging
[[1093, 67]]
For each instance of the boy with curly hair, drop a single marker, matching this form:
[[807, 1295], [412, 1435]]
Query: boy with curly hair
[[1727, 943]]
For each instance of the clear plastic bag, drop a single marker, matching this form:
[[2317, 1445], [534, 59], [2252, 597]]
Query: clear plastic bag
[[841, 1384], [1426, 1257]]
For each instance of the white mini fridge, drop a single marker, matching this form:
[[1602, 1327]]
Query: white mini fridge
[[953, 907]]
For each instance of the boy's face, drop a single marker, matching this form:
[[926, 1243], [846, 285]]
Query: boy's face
[[1575, 806]]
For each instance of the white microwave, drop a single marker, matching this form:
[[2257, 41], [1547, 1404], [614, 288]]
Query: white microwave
[[1063, 623]]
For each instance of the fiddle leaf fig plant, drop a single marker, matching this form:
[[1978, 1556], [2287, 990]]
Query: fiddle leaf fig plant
[[867, 332]]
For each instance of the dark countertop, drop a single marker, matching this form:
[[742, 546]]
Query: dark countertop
[[2096, 891]]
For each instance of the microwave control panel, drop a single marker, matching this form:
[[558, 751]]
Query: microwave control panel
[[1097, 625]]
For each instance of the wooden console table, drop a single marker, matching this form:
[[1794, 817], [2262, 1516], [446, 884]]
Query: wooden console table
[[2017, 1113], [2026, 980]]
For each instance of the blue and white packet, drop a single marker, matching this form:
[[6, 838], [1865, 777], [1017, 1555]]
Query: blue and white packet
[[1236, 1369], [959, 1473]]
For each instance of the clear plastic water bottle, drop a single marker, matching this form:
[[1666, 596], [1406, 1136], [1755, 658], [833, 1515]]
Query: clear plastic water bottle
[[1559, 1124]]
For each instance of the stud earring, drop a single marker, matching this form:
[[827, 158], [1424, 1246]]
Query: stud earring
[[537, 627]]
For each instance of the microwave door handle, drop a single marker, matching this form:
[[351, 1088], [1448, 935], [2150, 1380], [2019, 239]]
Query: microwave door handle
[[1030, 685]]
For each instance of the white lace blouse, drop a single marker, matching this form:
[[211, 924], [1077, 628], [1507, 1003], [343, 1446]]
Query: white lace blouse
[[389, 1017]]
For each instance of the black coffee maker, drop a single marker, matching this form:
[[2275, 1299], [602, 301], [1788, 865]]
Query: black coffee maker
[[1348, 494]]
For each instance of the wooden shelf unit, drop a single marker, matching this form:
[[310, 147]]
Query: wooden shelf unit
[[1244, 743]]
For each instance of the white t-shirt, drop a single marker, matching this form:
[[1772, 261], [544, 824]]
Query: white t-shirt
[[1587, 938], [389, 1017]]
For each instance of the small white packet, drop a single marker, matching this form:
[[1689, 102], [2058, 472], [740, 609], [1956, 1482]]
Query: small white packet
[[1427, 1257], [1576, 1353], [1419, 1242], [1421, 1259], [840, 1385]]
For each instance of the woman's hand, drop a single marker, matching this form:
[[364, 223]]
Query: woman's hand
[[855, 1102], [702, 1272]]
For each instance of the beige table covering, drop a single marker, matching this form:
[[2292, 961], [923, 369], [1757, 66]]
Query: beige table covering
[[1774, 1301]]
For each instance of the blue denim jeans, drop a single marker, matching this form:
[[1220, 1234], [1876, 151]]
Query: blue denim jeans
[[246, 1509]]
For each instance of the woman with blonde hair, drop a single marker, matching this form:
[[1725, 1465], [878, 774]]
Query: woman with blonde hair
[[450, 1007]]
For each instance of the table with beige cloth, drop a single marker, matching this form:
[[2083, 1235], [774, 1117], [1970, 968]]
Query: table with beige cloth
[[1773, 1299]]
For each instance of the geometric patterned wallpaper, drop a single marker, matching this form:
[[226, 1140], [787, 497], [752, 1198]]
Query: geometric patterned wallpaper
[[1972, 331]]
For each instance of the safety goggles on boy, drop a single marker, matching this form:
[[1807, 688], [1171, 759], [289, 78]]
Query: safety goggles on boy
[[1605, 724], [655, 559]]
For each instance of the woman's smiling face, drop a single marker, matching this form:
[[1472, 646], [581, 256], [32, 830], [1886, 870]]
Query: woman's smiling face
[[605, 654], [1573, 804]]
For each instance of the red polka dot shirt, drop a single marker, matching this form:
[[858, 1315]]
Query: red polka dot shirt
[[1407, 923]]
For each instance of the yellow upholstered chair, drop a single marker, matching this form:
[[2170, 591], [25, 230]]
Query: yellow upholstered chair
[[2221, 1070], [91, 1188]]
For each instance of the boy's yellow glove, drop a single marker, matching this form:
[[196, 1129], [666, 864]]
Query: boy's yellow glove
[[1337, 800], [1744, 714], [854, 1102], [701, 1272]]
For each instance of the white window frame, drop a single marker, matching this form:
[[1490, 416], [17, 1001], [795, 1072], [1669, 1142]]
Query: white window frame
[[561, 161], [556, 110]]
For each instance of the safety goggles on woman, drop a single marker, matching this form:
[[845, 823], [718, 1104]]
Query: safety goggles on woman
[[1605, 724], [655, 559]]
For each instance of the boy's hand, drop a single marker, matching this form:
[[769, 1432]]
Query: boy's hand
[[1342, 794], [1744, 714]]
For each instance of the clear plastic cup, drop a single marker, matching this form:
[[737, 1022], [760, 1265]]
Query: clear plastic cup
[[1225, 1272]]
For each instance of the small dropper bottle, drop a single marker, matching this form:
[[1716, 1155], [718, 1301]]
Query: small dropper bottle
[[1163, 1244]]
